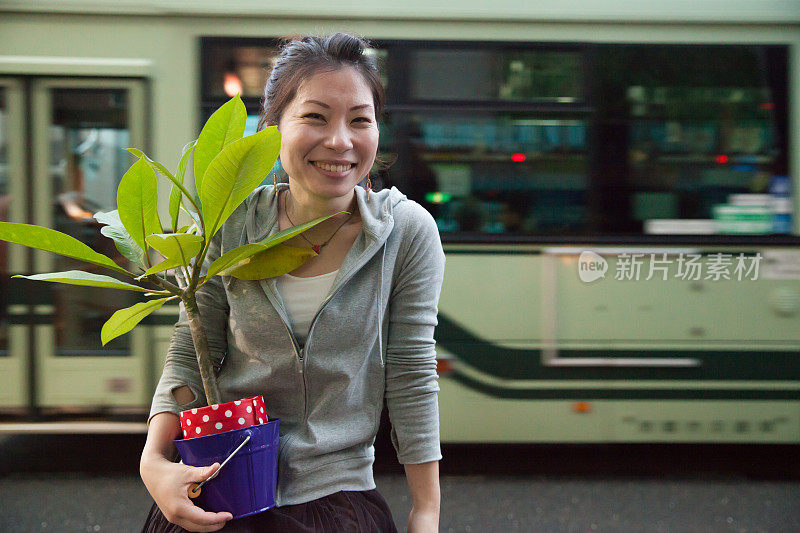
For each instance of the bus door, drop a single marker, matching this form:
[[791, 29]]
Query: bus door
[[75, 131]]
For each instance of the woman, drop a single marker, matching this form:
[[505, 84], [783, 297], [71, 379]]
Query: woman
[[328, 343]]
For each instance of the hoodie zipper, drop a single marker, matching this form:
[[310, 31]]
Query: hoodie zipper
[[299, 353], [362, 261]]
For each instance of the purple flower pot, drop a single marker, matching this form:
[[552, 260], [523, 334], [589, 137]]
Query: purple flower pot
[[247, 484]]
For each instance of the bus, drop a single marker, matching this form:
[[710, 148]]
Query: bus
[[616, 193]]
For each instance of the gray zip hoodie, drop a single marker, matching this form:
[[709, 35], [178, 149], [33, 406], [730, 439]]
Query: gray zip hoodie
[[371, 339]]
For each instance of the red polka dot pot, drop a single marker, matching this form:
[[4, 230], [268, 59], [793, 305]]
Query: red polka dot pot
[[223, 417]]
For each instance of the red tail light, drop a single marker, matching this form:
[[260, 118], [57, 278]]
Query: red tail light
[[444, 366]]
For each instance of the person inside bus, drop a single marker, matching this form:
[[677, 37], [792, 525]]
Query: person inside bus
[[359, 318]]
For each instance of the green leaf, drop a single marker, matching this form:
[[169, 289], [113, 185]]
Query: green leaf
[[234, 174], [157, 228], [177, 249], [176, 195], [79, 277], [137, 197], [177, 182], [54, 241], [194, 216], [124, 320], [122, 239], [225, 126], [155, 164], [272, 262], [241, 253]]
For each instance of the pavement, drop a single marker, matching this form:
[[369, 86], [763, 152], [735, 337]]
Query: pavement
[[73, 483]]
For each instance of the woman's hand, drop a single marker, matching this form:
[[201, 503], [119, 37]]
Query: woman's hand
[[168, 484], [423, 521]]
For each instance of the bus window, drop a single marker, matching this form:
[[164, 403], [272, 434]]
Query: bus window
[[581, 140], [495, 74], [494, 173], [691, 133]]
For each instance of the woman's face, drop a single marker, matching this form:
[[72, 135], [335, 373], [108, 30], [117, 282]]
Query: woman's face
[[329, 135]]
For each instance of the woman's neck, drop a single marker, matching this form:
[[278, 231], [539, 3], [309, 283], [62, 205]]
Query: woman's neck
[[304, 207]]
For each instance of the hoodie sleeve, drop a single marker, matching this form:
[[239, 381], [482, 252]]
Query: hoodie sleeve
[[411, 379], [180, 367]]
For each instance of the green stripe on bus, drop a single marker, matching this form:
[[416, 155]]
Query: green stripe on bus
[[622, 394], [526, 364]]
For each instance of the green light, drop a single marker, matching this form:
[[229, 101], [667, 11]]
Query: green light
[[438, 197]]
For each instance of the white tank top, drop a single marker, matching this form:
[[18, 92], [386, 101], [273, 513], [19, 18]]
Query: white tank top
[[302, 298]]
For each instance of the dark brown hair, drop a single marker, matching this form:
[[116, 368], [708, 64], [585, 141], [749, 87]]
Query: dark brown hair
[[302, 57]]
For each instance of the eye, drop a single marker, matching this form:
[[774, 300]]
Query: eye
[[314, 116], [365, 120]]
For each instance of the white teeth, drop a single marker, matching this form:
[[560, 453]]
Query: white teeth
[[332, 168]]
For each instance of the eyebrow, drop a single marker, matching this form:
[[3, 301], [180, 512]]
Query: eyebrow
[[326, 106]]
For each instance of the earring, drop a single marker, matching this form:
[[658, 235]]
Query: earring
[[274, 179], [368, 186]]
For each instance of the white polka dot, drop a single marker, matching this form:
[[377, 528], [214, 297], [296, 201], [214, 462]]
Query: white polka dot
[[260, 421], [261, 409], [218, 425], [198, 431], [241, 421], [205, 418], [238, 402], [194, 411], [249, 409], [185, 433], [188, 421], [215, 406], [228, 413]]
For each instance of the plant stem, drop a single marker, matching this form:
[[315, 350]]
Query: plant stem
[[210, 385], [165, 284]]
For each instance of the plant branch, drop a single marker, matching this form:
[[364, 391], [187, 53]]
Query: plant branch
[[209, 378], [198, 266], [167, 285]]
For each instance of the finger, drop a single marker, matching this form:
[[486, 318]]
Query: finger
[[197, 474], [191, 526], [204, 519]]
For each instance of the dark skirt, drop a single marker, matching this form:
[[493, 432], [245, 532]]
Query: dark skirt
[[344, 511]]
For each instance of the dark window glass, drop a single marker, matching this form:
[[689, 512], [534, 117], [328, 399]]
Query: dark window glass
[[493, 172], [233, 68], [496, 74], [693, 135], [538, 139]]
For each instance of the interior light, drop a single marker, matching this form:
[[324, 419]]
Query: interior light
[[722, 159], [232, 84], [518, 158], [438, 197], [767, 106]]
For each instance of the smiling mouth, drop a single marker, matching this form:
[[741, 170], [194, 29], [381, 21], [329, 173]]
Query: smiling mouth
[[333, 168]]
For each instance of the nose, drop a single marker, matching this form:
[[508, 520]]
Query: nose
[[338, 137]]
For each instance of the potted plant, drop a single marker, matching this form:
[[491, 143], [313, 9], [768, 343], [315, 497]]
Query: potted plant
[[227, 168]]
